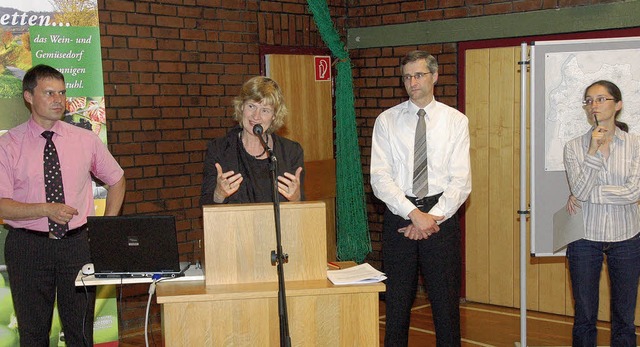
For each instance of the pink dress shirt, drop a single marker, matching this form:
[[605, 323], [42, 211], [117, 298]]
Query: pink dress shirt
[[81, 153]]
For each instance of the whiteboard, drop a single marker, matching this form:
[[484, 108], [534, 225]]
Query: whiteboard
[[560, 71]]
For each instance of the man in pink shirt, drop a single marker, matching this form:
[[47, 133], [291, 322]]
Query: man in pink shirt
[[41, 265]]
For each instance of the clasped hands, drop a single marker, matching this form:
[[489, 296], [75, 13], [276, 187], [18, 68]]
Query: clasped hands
[[422, 225], [228, 183]]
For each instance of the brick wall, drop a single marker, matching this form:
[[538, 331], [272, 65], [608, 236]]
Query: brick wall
[[171, 68]]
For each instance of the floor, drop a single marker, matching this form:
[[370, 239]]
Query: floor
[[481, 325]]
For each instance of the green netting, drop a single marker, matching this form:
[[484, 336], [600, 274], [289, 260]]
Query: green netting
[[353, 241]]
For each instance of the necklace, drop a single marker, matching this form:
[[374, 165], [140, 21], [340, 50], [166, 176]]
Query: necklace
[[260, 155], [255, 156]]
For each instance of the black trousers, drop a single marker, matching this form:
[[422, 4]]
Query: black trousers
[[40, 268], [438, 259]]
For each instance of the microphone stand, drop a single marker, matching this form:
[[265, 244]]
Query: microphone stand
[[278, 258]]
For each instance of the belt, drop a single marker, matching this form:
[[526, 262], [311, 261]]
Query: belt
[[50, 235], [424, 201]]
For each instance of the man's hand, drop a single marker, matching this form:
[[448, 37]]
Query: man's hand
[[411, 232], [423, 225], [424, 221], [60, 213]]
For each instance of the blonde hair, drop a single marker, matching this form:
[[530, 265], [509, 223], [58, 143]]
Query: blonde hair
[[262, 89]]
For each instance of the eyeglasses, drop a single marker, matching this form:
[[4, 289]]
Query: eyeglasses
[[418, 76], [597, 100]]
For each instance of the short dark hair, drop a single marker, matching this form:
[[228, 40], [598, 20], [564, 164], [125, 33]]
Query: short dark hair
[[38, 72], [410, 57]]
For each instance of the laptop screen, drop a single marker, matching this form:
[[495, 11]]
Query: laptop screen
[[135, 245]]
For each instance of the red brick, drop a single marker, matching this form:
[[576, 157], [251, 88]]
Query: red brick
[[140, 19], [498, 8], [163, 9]]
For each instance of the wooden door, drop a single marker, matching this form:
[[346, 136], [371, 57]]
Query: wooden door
[[310, 122]]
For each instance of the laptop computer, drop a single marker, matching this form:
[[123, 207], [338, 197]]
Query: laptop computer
[[134, 246]]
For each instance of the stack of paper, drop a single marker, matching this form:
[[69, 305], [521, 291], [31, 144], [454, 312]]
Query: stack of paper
[[363, 273]]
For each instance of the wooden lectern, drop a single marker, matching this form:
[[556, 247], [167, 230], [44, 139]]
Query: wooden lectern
[[237, 303]]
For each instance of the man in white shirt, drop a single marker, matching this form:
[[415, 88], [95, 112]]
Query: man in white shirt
[[421, 228]]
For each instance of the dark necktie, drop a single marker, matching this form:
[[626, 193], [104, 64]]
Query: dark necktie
[[420, 177], [53, 181]]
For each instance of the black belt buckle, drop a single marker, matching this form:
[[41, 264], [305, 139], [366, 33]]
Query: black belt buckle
[[421, 202]]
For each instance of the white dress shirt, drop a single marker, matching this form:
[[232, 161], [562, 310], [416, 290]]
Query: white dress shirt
[[608, 190], [447, 157]]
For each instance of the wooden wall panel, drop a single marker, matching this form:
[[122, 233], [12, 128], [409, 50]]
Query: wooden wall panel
[[476, 219], [502, 170], [492, 224]]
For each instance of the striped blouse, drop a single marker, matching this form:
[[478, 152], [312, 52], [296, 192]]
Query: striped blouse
[[609, 190]]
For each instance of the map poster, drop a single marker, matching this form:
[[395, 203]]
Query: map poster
[[567, 74]]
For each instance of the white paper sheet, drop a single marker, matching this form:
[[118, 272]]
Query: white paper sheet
[[566, 228], [363, 273]]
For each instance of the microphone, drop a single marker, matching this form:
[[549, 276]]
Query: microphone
[[257, 130]]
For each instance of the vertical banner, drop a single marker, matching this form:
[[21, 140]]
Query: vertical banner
[[65, 35]]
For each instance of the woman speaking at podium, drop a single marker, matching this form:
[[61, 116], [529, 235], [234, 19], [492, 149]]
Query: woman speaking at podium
[[237, 166]]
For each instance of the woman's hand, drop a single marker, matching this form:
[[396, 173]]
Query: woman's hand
[[289, 185], [573, 205], [598, 138], [227, 183]]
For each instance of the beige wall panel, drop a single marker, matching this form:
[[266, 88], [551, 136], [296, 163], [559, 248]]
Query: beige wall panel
[[310, 120], [569, 295], [502, 173], [492, 226], [552, 285], [476, 218]]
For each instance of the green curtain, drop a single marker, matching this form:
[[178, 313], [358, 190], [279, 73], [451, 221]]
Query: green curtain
[[353, 240]]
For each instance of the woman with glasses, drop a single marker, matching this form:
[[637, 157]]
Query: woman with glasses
[[237, 166], [603, 170]]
